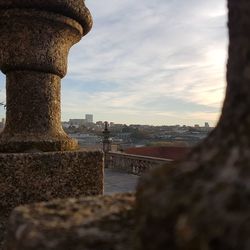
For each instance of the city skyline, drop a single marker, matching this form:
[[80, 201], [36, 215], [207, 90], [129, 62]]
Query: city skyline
[[83, 121], [148, 62]]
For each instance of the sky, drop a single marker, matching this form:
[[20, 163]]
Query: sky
[[159, 62]]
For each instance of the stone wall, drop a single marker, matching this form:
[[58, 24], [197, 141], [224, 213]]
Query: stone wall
[[134, 164]]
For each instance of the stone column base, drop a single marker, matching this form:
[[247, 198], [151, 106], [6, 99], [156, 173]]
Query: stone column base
[[31, 177]]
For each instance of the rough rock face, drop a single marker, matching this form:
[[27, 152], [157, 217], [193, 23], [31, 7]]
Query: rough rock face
[[204, 202], [100, 223]]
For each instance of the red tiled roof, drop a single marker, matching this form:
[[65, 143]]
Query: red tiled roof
[[174, 153]]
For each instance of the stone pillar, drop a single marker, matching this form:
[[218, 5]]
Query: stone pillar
[[35, 40], [38, 161], [203, 202]]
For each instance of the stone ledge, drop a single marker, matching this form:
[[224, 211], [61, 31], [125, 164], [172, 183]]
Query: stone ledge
[[96, 223]]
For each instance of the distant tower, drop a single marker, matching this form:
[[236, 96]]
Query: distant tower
[[89, 118], [106, 144], [106, 139], [206, 125]]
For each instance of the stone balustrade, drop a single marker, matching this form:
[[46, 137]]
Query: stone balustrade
[[134, 164]]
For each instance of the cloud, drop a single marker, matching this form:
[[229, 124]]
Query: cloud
[[146, 50], [149, 62]]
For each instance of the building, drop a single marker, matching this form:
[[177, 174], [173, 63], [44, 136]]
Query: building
[[77, 122], [89, 118]]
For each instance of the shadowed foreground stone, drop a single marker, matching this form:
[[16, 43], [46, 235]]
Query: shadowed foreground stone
[[100, 223], [204, 203]]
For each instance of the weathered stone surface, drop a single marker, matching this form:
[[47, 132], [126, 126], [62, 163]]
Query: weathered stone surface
[[26, 178], [33, 177], [35, 40], [100, 223], [204, 203]]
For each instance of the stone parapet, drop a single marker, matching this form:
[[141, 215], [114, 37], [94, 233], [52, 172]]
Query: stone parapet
[[92, 223]]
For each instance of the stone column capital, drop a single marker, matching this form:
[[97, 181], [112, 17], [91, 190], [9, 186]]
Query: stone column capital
[[37, 35]]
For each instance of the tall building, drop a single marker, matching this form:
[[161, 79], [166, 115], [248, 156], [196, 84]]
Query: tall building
[[89, 118], [76, 122]]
